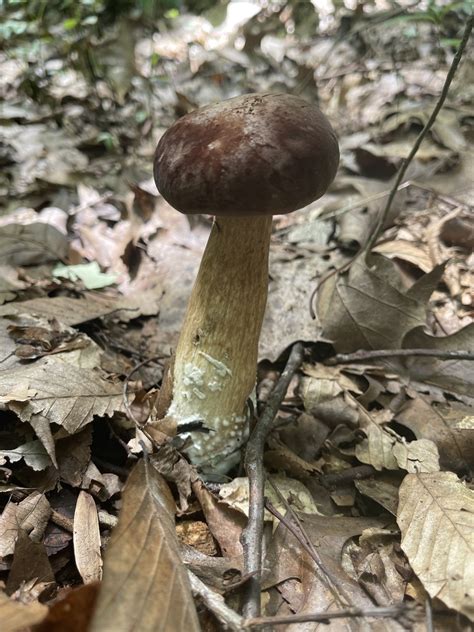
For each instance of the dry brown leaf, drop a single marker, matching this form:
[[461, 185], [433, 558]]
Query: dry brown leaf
[[368, 308], [145, 584], [30, 515], [66, 394], [452, 375], [74, 311], [319, 588], [16, 616], [30, 563], [417, 456], [384, 492], [436, 518], [71, 611], [445, 425], [33, 453], [86, 539], [31, 243], [225, 523], [406, 251]]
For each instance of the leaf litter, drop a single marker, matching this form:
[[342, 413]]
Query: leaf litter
[[370, 459]]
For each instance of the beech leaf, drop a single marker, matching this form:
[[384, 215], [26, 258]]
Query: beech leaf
[[436, 518], [145, 586]]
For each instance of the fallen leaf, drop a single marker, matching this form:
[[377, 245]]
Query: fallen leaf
[[66, 394], [86, 539], [71, 611], [443, 424], [16, 616], [145, 584], [452, 375], [30, 562], [33, 453], [436, 518], [31, 243], [30, 515], [417, 456], [367, 308]]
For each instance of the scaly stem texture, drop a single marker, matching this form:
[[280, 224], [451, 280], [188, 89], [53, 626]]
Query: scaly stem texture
[[216, 357]]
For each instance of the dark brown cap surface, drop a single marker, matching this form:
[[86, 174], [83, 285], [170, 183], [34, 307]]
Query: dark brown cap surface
[[261, 154]]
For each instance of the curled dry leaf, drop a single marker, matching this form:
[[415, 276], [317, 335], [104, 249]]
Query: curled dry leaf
[[436, 518], [86, 539], [145, 584]]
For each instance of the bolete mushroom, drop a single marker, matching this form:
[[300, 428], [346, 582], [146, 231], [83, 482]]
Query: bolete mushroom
[[242, 160]]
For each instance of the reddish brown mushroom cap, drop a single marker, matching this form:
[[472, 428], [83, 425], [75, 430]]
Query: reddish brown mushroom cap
[[261, 154]]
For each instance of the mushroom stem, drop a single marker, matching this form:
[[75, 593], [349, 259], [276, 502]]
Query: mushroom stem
[[215, 365]]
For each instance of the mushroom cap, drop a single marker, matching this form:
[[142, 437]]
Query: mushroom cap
[[257, 154]]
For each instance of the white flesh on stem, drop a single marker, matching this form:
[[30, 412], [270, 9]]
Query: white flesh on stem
[[216, 358]]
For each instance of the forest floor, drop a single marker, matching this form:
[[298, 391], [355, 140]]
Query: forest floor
[[370, 465]]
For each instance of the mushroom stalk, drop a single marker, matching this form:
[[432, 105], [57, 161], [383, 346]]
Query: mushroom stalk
[[215, 365]]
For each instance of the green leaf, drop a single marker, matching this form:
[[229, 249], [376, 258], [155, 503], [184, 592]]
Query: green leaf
[[89, 273]]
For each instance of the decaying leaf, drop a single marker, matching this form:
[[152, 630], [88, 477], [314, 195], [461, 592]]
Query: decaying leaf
[[30, 515], [72, 610], [436, 518], [25, 243], [33, 453], [145, 584], [74, 311], [452, 375], [86, 538], [369, 309], [446, 426], [30, 563], [66, 394]]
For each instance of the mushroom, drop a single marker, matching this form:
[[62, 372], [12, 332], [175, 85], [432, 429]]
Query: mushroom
[[242, 160]]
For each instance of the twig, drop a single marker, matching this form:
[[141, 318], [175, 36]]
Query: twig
[[324, 617], [216, 604], [253, 533], [62, 521], [332, 585], [429, 614], [349, 475], [343, 358], [422, 134]]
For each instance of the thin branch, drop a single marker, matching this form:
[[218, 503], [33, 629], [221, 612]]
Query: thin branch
[[349, 475], [325, 617], [328, 579], [405, 163], [216, 604], [429, 614], [358, 356], [253, 534]]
